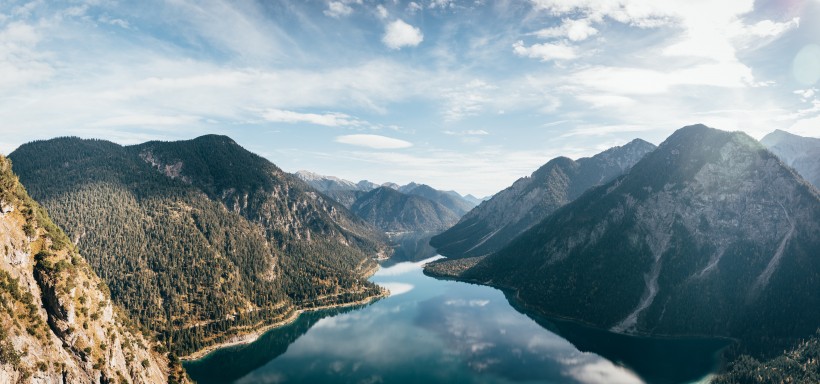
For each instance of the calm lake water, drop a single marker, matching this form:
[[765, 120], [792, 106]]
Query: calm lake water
[[439, 331]]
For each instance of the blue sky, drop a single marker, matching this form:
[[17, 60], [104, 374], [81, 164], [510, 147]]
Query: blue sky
[[464, 95]]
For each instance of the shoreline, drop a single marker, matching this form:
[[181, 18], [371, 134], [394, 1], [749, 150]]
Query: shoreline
[[254, 335]]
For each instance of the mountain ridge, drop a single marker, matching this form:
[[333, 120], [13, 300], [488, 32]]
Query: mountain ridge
[[507, 214]]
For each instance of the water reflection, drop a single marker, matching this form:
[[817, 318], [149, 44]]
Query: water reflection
[[411, 246], [435, 331]]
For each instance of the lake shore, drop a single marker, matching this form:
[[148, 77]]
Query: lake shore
[[254, 335]]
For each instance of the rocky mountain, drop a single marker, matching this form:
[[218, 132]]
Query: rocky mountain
[[495, 222], [798, 152], [57, 321], [347, 193], [201, 240], [393, 211], [342, 191], [450, 199], [475, 200], [710, 234]]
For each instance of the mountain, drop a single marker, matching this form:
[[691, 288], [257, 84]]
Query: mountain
[[452, 200], [393, 211], [495, 222], [201, 240], [798, 152], [475, 200], [347, 193], [328, 183], [710, 234], [342, 191], [58, 323]]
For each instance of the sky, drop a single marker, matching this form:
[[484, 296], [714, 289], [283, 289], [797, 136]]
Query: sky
[[461, 95]]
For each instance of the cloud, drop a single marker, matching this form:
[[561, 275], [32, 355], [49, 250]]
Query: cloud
[[545, 51], [381, 12], [768, 28], [602, 372], [413, 7], [146, 121], [399, 34], [575, 30], [397, 288], [468, 132], [337, 9], [326, 119], [373, 141]]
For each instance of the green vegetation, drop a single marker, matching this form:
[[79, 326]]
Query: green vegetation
[[799, 365], [201, 239]]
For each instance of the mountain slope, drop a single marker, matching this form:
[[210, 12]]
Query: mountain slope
[[495, 222], [57, 322], [451, 200], [200, 240], [800, 153], [710, 234], [394, 211]]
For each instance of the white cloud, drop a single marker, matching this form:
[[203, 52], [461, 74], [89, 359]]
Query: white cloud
[[768, 28], [326, 119], [545, 51], [146, 121], [575, 30], [603, 372], [399, 34], [468, 132], [413, 7], [337, 9], [631, 81], [373, 141], [381, 12]]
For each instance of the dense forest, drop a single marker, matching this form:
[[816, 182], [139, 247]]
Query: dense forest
[[200, 240], [798, 365]]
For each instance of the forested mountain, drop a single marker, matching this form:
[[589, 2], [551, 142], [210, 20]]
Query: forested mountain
[[798, 365], [798, 152], [200, 239], [495, 222], [393, 211], [57, 321], [710, 234]]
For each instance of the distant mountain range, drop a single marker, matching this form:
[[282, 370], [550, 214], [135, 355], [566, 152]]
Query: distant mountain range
[[392, 207], [494, 223], [393, 211], [709, 234], [200, 239], [798, 152]]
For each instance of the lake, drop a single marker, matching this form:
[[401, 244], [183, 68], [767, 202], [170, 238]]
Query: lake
[[441, 331]]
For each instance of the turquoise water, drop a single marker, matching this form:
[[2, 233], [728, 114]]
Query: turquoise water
[[439, 331]]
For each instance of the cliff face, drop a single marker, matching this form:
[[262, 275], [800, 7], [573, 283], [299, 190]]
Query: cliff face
[[495, 222], [708, 234], [57, 321]]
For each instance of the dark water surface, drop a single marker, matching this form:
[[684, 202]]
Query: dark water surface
[[438, 331]]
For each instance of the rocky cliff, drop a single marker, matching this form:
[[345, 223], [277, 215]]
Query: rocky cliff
[[57, 321]]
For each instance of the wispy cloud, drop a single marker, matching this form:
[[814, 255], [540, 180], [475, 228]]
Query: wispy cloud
[[373, 141], [326, 119]]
